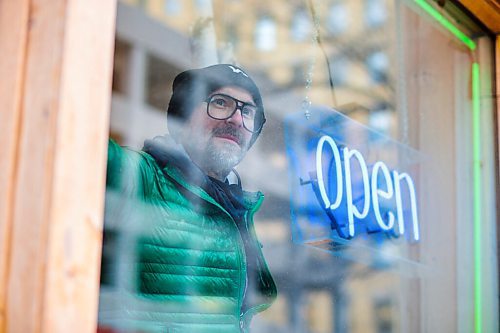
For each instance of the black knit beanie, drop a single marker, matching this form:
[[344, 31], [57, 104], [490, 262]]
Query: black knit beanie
[[193, 86]]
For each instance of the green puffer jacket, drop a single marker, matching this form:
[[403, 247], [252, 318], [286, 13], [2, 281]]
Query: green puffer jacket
[[189, 257]]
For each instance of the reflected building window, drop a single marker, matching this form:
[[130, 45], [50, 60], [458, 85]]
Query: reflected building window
[[377, 64], [381, 118], [108, 263], [319, 311], [159, 78], [203, 8], [121, 67], [265, 33], [375, 13], [203, 5], [173, 7], [383, 316], [117, 136], [232, 36], [301, 25], [337, 19], [298, 78], [339, 70]]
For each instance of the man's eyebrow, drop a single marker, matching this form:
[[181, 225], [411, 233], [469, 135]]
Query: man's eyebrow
[[252, 103]]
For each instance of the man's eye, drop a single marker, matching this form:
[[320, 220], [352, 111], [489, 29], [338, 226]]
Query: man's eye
[[219, 102], [248, 112]]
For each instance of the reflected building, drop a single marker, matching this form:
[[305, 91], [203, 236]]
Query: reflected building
[[277, 43]]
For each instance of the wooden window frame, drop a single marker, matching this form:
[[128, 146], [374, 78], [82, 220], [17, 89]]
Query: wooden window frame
[[55, 101]]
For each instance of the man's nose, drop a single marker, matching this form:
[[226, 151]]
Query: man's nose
[[236, 118]]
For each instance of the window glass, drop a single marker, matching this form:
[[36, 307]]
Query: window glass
[[173, 7], [388, 67], [340, 70], [159, 78], [121, 67], [301, 27], [265, 33], [337, 19], [375, 13], [378, 66]]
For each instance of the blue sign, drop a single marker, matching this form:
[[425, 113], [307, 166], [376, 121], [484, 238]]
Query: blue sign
[[349, 182]]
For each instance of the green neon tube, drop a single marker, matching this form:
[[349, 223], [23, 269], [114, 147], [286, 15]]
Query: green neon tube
[[476, 133], [446, 24]]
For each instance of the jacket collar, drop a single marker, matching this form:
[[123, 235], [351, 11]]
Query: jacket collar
[[174, 160]]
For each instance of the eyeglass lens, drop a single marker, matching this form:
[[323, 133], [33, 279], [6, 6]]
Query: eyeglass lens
[[223, 107]]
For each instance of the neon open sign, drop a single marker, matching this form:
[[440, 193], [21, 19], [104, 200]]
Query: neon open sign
[[379, 184], [350, 184]]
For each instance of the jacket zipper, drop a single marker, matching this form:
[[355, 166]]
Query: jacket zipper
[[261, 306]]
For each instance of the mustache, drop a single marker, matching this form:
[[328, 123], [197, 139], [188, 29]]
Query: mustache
[[229, 130]]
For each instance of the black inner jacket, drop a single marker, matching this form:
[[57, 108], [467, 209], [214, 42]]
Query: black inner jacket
[[230, 196]]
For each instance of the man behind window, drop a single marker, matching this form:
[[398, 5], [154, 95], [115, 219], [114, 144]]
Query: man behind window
[[195, 255]]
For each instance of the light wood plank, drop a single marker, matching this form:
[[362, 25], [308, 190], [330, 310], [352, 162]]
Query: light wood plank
[[487, 11], [36, 149], [13, 36], [78, 190], [58, 203]]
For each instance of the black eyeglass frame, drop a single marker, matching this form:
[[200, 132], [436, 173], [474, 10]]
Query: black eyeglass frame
[[259, 115]]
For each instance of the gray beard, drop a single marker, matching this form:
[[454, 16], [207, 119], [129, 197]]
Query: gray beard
[[222, 161]]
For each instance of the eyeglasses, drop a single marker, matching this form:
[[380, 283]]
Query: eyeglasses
[[221, 107]]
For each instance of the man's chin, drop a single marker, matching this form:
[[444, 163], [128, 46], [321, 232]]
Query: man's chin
[[225, 155]]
